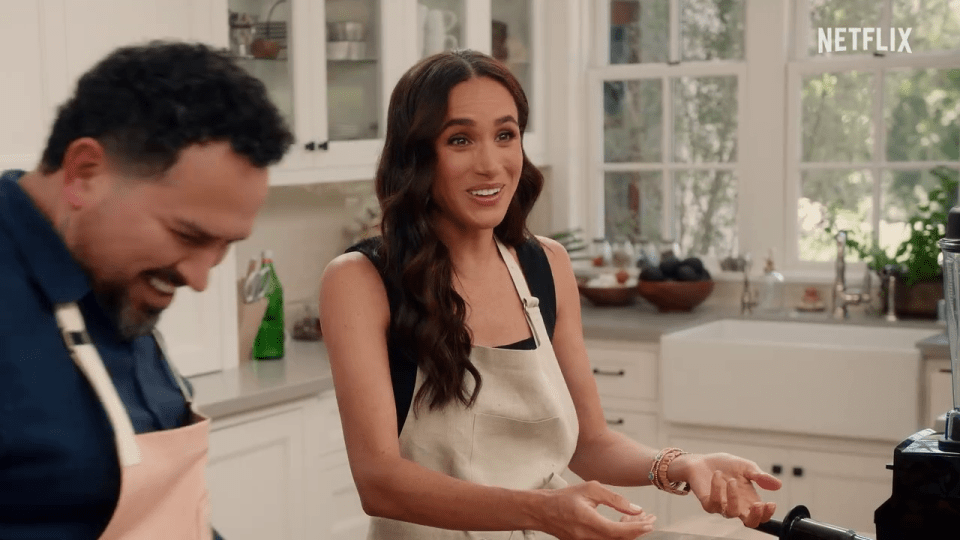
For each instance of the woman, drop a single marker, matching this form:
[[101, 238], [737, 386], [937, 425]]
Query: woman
[[433, 333]]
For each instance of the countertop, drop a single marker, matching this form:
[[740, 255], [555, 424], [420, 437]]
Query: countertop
[[642, 322], [935, 346], [305, 370], [712, 527]]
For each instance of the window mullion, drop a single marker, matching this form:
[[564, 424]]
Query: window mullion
[[886, 14], [666, 148], [802, 29], [674, 19], [879, 148]]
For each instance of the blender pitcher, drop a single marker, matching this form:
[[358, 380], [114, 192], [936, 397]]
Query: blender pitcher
[[950, 244]]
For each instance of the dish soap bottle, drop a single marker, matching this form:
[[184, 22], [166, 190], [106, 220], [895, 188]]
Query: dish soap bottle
[[771, 288], [268, 344]]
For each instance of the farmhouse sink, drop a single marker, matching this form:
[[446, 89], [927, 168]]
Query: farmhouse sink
[[813, 378]]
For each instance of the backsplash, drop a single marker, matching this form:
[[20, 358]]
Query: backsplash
[[306, 227]]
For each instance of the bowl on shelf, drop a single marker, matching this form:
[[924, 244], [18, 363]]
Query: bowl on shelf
[[672, 295]]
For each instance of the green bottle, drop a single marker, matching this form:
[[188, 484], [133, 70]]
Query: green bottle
[[268, 344]]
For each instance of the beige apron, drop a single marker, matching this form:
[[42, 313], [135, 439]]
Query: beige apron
[[520, 433], [163, 490]]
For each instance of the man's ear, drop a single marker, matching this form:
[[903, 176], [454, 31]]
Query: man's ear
[[85, 178]]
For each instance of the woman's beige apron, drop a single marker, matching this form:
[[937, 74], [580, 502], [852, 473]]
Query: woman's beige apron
[[520, 433], [163, 489]]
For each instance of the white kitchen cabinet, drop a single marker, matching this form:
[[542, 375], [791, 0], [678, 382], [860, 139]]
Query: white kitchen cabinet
[[200, 329], [45, 46], [842, 487], [264, 477], [344, 518], [938, 391], [25, 103], [335, 92], [626, 373]]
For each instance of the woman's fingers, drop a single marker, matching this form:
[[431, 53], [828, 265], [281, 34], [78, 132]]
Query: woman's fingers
[[714, 504], [764, 480], [732, 506], [601, 495]]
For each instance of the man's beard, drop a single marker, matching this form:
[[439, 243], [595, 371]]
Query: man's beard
[[131, 322]]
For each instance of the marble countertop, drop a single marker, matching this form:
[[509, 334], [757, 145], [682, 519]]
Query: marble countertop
[[305, 370]]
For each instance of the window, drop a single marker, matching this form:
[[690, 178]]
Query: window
[[666, 94], [867, 127]]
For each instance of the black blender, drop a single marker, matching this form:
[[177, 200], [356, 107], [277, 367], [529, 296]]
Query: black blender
[[925, 499]]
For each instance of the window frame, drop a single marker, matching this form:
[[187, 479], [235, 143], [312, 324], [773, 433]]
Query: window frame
[[802, 64], [600, 71]]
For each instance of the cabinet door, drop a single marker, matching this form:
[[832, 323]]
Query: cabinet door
[[362, 43], [842, 490], [25, 104], [517, 39], [939, 392], [85, 41], [643, 429], [276, 41], [769, 459], [348, 521], [256, 475]]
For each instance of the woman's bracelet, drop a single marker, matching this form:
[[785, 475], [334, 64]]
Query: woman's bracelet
[[658, 472]]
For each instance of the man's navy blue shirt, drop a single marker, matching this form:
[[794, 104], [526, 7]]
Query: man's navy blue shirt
[[59, 471]]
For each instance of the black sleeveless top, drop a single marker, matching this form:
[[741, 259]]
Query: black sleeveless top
[[403, 366]]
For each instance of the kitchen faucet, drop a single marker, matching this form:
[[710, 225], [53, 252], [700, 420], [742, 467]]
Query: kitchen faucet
[[840, 297]]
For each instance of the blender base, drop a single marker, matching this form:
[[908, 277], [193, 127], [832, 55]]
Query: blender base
[[925, 500]]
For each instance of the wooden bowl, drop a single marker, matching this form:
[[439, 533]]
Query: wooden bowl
[[620, 295], [670, 296]]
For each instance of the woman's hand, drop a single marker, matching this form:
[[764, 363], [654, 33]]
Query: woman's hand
[[571, 514], [724, 484]]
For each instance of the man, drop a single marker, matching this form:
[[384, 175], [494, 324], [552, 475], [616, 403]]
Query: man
[[155, 165]]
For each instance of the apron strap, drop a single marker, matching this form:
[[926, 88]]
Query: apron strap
[[531, 304], [85, 355]]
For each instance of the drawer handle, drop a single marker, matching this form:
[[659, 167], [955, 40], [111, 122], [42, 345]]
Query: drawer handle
[[798, 471], [946, 370], [617, 422], [777, 470], [618, 373]]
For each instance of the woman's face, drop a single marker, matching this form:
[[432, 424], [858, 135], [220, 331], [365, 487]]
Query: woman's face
[[479, 156]]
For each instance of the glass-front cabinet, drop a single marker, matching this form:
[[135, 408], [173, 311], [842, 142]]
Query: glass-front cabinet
[[330, 66]]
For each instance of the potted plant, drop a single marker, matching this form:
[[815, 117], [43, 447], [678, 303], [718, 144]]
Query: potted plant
[[915, 263]]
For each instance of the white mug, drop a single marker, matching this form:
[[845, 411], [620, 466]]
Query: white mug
[[436, 38]]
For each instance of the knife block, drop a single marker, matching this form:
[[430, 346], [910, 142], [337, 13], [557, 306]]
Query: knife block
[[249, 317]]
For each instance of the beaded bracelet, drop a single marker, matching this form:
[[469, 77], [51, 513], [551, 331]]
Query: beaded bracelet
[[658, 472]]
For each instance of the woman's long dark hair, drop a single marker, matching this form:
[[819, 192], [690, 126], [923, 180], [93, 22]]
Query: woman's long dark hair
[[428, 320]]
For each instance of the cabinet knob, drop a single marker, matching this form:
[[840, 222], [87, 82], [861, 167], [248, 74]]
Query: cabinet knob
[[617, 422], [310, 145], [776, 470], [325, 145], [798, 471], [618, 373]]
